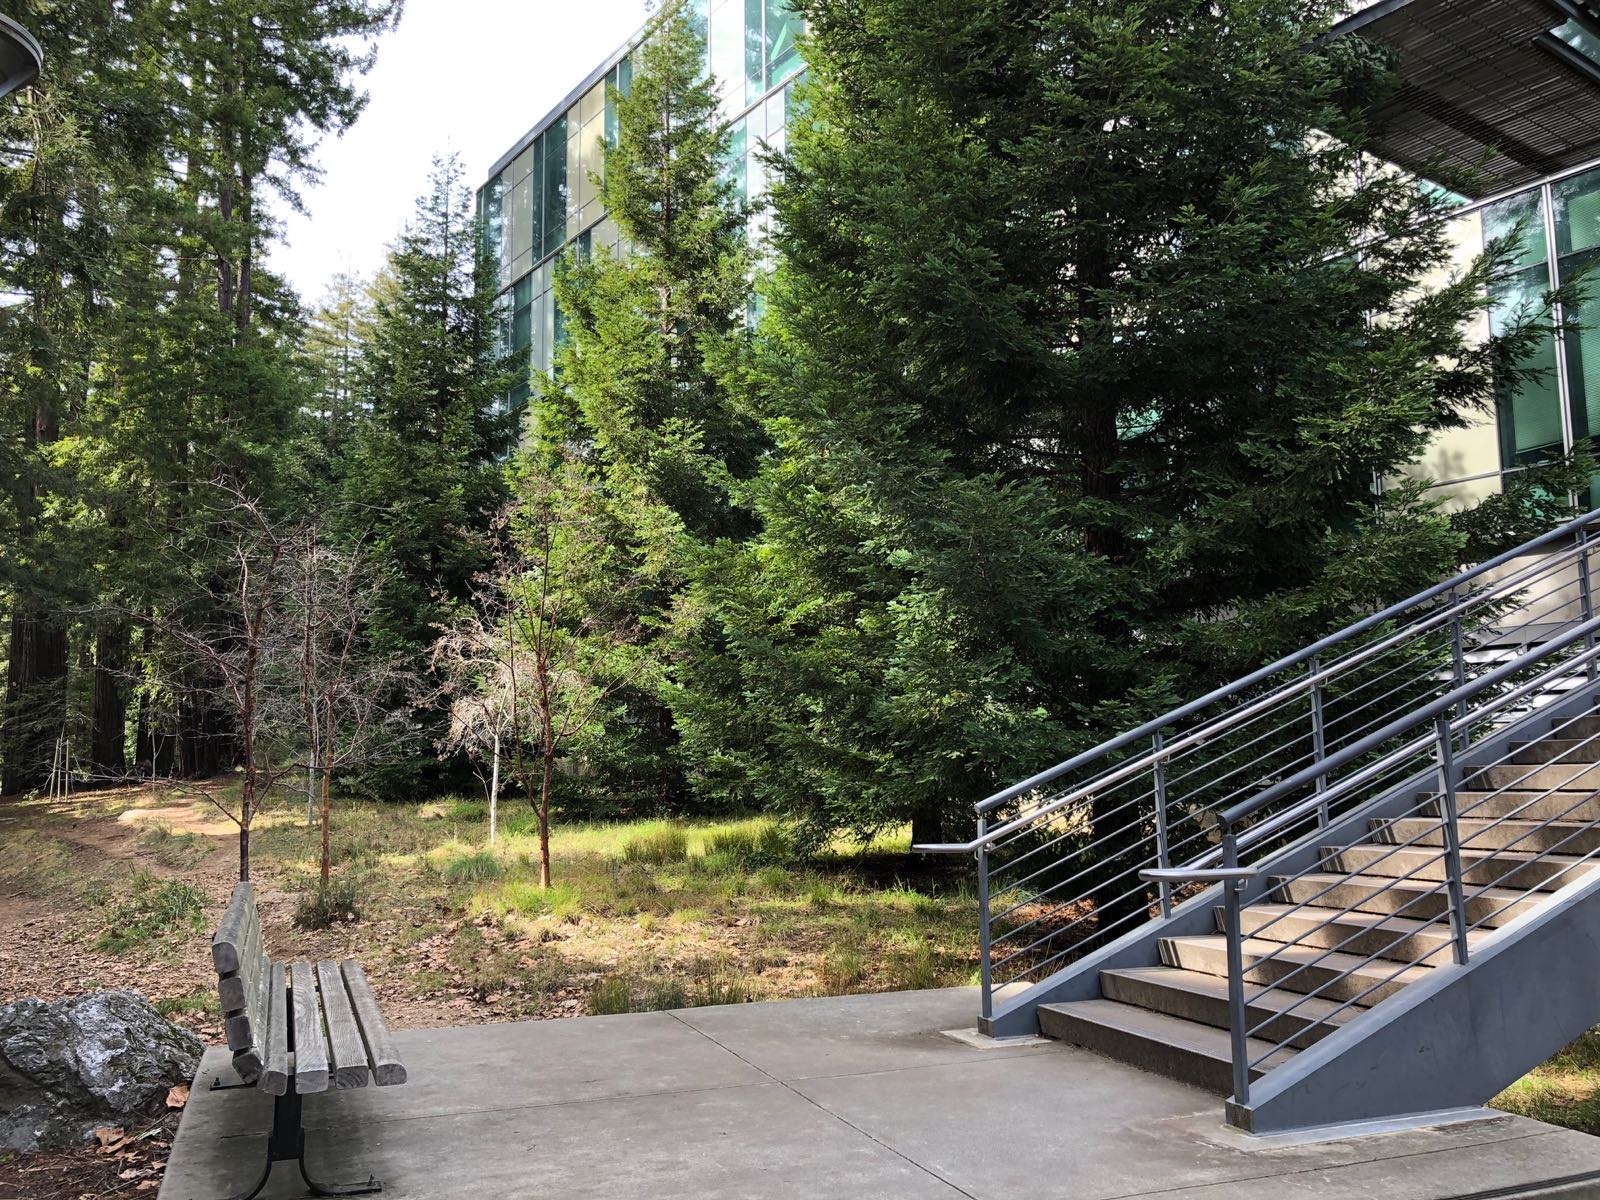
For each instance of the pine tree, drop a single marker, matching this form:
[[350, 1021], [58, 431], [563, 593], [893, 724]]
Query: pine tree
[[1079, 388], [641, 392], [424, 476]]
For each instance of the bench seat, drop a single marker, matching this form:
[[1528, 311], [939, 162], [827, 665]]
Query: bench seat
[[296, 1028]]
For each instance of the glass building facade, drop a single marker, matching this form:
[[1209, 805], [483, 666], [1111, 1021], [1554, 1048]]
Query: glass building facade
[[541, 197], [1552, 405]]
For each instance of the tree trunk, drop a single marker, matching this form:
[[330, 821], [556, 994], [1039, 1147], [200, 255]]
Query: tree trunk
[[35, 707], [109, 748], [544, 817], [927, 825], [494, 786]]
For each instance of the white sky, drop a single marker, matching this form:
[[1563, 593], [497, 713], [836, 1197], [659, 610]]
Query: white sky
[[465, 75]]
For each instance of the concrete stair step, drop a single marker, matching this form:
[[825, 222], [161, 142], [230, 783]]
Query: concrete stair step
[[1582, 727], [1276, 1015], [1511, 869], [1565, 749], [1365, 935], [1572, 838], [1535, 778], [1579, 804], [1184, 1050], [1330, 974], [1419, 899]]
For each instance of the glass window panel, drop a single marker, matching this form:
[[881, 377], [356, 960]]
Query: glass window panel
[[735, 168], [555, 185], [611, 107], [625, 76], [755, 76], [727, 47], [1524, 213], [593, 103], [1577, 203], [783, 48], [774, 114], [519, 221], [522, 165], [1530, 407], [1583, 354], [541, 339], [574, 181], [1580, 39], [592, 153], [493, 214]]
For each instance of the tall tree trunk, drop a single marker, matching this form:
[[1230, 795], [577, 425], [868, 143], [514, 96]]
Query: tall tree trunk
[[109, 748], [36, 683]]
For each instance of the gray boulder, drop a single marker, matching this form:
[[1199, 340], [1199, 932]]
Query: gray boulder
[[108, 1058]]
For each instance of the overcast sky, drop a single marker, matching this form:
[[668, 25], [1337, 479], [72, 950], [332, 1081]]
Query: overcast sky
[[465, 75]]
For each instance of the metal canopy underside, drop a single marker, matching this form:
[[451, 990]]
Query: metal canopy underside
[[1482, 90], [20, 56]]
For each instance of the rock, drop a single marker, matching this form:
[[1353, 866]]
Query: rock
[[104, 1059]]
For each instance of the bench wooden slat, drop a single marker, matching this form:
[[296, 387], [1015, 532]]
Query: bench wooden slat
[[348, 1051], [310, 1048], [230, 931], [275, 1068], [381, 1051]]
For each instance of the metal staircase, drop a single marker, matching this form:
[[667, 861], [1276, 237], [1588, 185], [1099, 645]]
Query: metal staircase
[[1361, 883]]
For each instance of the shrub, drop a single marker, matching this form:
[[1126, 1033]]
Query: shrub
[[759, 844], [151, 910], [324, 907], [477, 867], [669, 844], [843, 969]]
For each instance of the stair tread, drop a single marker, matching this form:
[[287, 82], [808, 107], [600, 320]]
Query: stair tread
[[1368, 920], [1312, 1008], [1333, 960], [1508, 855], [1484, 822], [1386, 883], [1206, 1041]]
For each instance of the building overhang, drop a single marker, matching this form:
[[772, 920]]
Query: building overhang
[[20, 56], [1501, 92]]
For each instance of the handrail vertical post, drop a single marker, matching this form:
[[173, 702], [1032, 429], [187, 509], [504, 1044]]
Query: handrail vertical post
[[1586, 594], [1318, 736], [1163, 861], [1458, 658], [1236, 1009], [985, 981], [1452, 837]]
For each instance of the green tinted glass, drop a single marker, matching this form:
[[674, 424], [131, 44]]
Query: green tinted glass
[[1522, 216]]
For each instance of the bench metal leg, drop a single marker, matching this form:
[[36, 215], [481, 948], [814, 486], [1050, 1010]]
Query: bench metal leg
[[288, 1141]]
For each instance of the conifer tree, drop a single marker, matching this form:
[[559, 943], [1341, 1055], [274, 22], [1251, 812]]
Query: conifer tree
[[424, 475], [1079, 388], [641, 392]]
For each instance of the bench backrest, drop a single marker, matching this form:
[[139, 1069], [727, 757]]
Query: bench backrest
[[251, 990]]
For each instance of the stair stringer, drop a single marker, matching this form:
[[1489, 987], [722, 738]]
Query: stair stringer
[[1455, 1039], [1015, 1013]]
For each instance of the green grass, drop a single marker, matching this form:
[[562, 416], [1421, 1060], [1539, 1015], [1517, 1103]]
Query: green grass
[[339, 903], [147, 911], [199, 1002], [176, 850], [668, 844], [479, 866], [1564, 1091]]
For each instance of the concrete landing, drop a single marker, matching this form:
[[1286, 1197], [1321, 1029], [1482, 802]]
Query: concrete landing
[[854, 1097]]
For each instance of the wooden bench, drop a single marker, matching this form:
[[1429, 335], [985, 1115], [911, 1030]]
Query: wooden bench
[[296, 1028]]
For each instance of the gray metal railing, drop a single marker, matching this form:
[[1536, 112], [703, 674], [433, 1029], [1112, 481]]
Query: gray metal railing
[[1075, 857]]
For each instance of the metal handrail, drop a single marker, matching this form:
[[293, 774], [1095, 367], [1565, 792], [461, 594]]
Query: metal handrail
[[1295, 687], [1077, 869]]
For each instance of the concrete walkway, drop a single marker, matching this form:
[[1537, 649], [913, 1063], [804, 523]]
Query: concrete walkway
[[858, 1097]]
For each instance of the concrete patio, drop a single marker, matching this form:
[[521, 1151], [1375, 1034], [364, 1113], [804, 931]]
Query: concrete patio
[[858, 1096]]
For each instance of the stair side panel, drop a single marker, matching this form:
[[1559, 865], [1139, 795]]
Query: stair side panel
[[1455, 1039]]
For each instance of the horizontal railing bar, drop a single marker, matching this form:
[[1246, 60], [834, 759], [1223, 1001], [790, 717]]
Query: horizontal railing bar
[[1427, 712], [1141, 732]]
